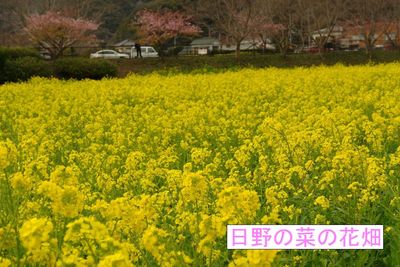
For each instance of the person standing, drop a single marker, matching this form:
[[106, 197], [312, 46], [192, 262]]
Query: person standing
[[138, 48]]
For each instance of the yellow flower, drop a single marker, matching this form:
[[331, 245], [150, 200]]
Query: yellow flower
[[69, 202], [20, 182], [8, 154], [309, 165], [322, 201], [237, 205], [64, 176], [200, 155], [297, 259], [194, 189], [273, 217], [4, 262], [34, 232], [321, 219], [134, 160], [256, 258], [150, 169], [35, 237], [354, 186], [7, 237], [116, 260], [395, 202], [87, 240], [154, 241], [4, 162]]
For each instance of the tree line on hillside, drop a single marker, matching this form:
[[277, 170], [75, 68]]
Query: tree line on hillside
[[283, 22]]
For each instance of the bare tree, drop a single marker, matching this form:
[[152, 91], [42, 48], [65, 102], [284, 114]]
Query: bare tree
[[81, 8], [283, 17], [392, 34], [237, 19], [199, 10], [371, 19], [12, 18], [320, 19]]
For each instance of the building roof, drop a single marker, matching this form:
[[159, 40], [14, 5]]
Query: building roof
[[336, 31], [205, 41], [125, 42]]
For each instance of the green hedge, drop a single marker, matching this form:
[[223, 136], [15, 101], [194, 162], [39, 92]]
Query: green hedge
[[83, 68], [17, 52], [20, 64], [22, 69]]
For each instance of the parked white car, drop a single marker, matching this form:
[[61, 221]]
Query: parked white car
[[147, 51], [45, 55], [108, 54]]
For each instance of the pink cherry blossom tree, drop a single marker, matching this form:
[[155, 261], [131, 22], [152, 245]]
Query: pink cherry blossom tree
[[54, 32], [157, 27]]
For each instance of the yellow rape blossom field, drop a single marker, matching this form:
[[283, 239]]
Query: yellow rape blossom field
[[149, 170]]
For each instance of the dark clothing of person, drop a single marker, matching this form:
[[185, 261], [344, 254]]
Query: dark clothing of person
[[138, 50]]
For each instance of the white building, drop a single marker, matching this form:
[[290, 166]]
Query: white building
[[124, 46], [206, 45]]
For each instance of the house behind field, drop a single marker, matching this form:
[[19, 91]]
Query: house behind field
[[385, 35], [124, 46], [207, 45]]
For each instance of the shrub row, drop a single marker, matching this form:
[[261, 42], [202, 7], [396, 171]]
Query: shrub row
[[20, 64], [17, 52], [23, 68], [83, 68]]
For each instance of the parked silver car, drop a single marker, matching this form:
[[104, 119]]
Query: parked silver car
[[108, 54]]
